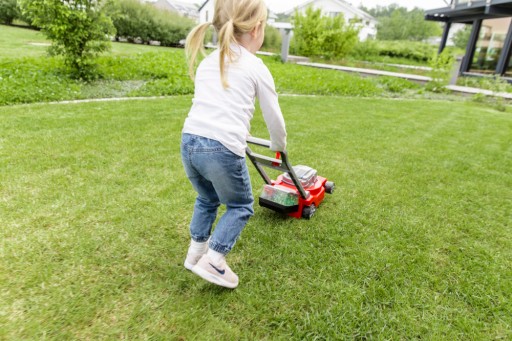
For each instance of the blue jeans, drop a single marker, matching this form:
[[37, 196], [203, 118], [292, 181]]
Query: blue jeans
[[219, 177]]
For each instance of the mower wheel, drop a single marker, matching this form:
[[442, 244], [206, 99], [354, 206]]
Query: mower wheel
[[329, 187], [308, 211]]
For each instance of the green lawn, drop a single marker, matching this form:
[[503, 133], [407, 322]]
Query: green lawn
[[16, 42], [414, 244], [131, 70]]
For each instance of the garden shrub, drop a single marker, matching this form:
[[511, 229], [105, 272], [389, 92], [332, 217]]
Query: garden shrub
[[273, 39], [416, 52], [79, 31], [317, 35], [441, 65], [365, 50], [9, 11], [136, 21]]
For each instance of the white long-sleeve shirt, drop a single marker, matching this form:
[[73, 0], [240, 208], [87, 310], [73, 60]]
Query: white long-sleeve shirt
[[225, 114]]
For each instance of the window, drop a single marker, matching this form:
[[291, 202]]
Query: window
[[489, 45]]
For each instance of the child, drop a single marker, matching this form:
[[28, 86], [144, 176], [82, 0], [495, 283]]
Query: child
[[227, 82]]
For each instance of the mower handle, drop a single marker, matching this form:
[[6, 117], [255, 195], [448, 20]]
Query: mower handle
[[259, 142], [280, 162]]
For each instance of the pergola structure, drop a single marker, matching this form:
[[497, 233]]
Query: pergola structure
[[490, 43]]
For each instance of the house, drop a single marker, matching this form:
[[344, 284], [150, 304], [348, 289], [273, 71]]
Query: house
[[489, 47], [206, 11], [184, 9], [364, 21]]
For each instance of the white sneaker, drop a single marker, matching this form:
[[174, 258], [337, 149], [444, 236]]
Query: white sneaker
[[194, 254], [219, 274]]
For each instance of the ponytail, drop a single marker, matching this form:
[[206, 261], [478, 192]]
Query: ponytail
[[195, 45], [226, 37]]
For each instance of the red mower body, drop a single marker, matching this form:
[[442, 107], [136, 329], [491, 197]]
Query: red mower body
[[297, 192], [306, 207]]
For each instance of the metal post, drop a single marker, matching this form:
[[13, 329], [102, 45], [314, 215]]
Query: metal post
[[470, 48], [501, 67], [444, 39], [285, 46], [456, 70]]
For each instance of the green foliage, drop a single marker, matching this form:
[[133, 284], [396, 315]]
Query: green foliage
[[79, 31], [489, 83], [364, 50], [317, 35], [414, 51], [29, 80], [401, 24], [442, 65], [381, 11], [9, 11], [137, 21], [397, 85], [461, 37], [273, 39], [497, 85]]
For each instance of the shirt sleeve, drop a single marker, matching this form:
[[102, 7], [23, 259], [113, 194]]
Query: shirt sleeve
[[269, 104]]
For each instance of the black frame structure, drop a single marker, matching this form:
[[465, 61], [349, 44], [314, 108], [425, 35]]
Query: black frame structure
[[473, 13]]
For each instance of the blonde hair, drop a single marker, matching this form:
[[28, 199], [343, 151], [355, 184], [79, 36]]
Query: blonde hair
[[232, 19]]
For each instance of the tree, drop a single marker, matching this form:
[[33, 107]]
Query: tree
[[317, 35], [381, 11], [8, 11], [79, 30], [135, 20], [397, 23]]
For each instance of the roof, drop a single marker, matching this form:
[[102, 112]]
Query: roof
[[467, 12], [204, 4]]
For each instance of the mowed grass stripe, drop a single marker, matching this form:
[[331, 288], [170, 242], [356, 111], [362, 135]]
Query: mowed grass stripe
[[415, 242]]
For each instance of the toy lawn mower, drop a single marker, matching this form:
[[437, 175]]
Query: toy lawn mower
[[297, 192]]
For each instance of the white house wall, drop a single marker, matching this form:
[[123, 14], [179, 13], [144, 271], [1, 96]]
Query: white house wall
[[206, 13]]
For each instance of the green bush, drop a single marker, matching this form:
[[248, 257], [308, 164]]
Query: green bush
[[134, 21], [402, 24], [9, 11], [441, 65], [414, 51], [79, 31], [317, 35], [365, 50], [272, 40], [406, 49]]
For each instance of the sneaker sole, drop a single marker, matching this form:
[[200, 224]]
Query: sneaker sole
[[212, 278], [188, 265]]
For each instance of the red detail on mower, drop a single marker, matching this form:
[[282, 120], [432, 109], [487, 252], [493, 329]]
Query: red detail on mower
[[297, 192]]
